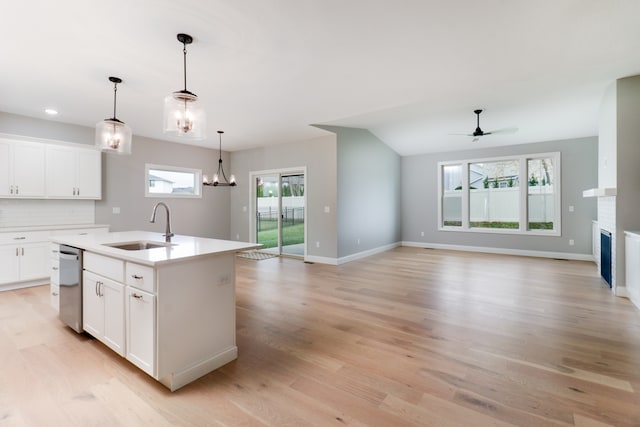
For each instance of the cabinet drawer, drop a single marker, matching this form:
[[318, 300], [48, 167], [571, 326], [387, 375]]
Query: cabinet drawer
[[54, 251], [54, 296], [104, 266], [140, 276], [18, 238], [54, 271]]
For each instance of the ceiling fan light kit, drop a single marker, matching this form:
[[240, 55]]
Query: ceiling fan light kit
[[113, 135], [183, 114]]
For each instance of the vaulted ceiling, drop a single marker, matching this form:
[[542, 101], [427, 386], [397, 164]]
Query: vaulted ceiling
[[411, 71]]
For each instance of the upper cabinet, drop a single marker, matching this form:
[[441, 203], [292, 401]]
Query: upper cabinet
[[22, 169], [73, 173], [39, 170]]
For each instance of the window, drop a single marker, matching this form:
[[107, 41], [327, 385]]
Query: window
[[171, 181], [489, 194]]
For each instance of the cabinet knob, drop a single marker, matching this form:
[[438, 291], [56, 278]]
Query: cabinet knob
[[55, 294], [135, 276], [136, 296], [54, 268]]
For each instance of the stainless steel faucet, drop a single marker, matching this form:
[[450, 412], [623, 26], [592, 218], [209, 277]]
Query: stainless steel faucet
[[168, 233]]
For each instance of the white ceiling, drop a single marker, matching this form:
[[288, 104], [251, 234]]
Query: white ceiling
[[411, 71]]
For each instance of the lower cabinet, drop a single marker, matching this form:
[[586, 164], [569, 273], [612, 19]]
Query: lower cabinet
[[103, 310], [140, 328], [24, 262], [54, 282]]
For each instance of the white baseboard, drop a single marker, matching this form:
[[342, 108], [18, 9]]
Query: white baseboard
[[321, 260], [367, 253], [502, 251], [20, 285]]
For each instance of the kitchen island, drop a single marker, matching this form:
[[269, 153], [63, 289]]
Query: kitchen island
[[168, 307]]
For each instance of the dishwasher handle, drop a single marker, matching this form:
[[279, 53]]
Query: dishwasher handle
[[69, 257]]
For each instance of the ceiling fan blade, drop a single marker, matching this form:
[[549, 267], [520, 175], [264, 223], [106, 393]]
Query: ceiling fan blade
[[477, 138], [461, 133], [503, 131]]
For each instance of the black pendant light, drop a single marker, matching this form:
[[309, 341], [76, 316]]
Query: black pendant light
[[113, 135], [220, 173], [183, 115]]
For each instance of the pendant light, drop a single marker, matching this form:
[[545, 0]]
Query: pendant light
[[183, 115], [220, 173], [112, 135]]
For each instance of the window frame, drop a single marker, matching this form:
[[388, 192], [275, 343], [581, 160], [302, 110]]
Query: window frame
[[197, 184], [523, 197]]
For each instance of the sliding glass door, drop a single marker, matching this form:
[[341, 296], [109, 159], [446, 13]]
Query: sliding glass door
[[280, 212]]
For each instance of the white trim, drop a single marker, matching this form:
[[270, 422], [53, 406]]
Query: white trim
[[501, 251], [621, 291], [321, 260], [367, 253]]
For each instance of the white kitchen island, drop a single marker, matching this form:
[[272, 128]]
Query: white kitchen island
[[170, 310]]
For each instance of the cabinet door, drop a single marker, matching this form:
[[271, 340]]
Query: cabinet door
[[28, 169], [140, 321], [113, 297], [34, 261], [61, 172], [89, 174], [10, 262], [5, 168], [92, 305]]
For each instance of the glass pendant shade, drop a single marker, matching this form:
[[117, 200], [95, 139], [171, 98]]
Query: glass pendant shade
[[112, 135], [183, 116]]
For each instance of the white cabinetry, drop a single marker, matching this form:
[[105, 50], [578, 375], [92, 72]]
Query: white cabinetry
[[23, 256], [632, 266], [22, 169], [140, 329], [54, 283], [103, 301], [73, 172]]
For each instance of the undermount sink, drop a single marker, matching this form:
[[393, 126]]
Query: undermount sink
[[138, 246]]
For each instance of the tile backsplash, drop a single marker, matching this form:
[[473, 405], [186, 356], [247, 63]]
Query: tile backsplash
[[26, 212]]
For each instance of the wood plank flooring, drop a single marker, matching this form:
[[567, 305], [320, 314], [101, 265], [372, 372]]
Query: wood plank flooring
[[410, 337]]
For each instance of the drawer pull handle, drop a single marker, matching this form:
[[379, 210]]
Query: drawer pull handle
[[54, 268], [55, 294], [19, 238], [135, 276], [136, 296], [54, 251]]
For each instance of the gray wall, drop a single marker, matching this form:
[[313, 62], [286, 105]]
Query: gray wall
[[318, 155], [368, 192], [628, 172], [579, 172], [123, 180]]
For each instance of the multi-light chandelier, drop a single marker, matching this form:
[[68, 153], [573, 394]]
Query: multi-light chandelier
[[113, 135], [183, 116], [231, 182]]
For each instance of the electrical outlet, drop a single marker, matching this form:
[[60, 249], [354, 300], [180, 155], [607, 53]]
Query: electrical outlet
[[358, 241], [327, 209], [317, 244], [237, 237], [422, 233], [115, 210], [571, 209], [244, 209], [571, 242]]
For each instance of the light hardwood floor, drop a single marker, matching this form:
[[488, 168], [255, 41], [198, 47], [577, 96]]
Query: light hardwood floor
[[410, 337]]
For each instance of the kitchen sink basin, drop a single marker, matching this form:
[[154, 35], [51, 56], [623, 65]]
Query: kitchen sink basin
[[138, 246]]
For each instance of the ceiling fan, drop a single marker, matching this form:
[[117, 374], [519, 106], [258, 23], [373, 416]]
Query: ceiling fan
[[479, 132]]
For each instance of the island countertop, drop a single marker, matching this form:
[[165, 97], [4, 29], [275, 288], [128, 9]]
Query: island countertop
[[182, 247]]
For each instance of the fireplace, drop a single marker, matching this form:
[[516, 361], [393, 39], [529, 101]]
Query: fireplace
[[605, 255]]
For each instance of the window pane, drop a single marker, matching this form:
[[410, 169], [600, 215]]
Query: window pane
[[494, 194], [170, 181], [452, 196], [540, 194]]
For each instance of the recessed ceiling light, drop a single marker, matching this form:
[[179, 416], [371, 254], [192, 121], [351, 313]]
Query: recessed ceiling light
[[51, 111]]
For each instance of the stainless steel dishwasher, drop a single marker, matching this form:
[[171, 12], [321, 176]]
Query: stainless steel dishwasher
[[71, 287]]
